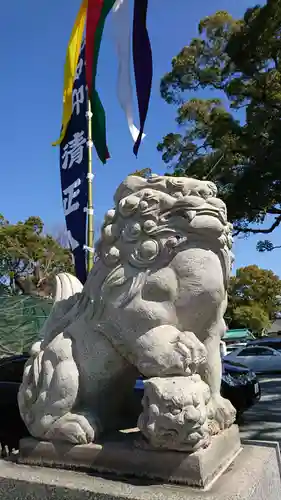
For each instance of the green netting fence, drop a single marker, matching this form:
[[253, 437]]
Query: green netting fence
[[21, 318]]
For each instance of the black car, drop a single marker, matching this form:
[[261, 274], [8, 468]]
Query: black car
[[12, 428], [239, 385]]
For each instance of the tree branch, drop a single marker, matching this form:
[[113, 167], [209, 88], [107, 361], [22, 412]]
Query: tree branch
[[245, 230], [274, 211]]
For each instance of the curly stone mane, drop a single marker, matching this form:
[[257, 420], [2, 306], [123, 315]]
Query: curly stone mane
[[153, 217]]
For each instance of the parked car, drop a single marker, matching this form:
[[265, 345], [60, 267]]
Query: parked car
[[232, 347], [12, 427], [239, 384], [273, 342], [258, 358], [11, 368]]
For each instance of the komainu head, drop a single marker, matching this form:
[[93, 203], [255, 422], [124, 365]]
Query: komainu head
[[155, 217]]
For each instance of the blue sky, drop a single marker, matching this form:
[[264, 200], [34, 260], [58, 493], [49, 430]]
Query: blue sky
[[34, 37]]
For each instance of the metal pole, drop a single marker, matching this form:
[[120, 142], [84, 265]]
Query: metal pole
[[90, 176]]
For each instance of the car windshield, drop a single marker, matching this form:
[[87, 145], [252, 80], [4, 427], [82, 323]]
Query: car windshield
[[256, 351], [269, 343]]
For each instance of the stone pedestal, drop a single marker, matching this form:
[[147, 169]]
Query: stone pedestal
[[123, 455], [254, 475]]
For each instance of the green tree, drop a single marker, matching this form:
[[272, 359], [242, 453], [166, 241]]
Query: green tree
[[29, 259], [253, 299], [232, 138], [145, 173], [266, 246]]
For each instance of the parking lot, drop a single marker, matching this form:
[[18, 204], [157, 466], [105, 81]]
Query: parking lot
[[263, 420]]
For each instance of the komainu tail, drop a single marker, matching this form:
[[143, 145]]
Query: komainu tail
[[66, 286], [40, 369], [68, 289]]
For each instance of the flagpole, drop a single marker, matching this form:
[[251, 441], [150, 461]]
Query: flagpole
[[90, 176]]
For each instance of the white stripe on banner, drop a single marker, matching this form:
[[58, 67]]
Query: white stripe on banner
[[122, 35]]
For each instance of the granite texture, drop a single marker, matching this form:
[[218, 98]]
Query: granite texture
[[153, 304], [174, 415], [255, 475], [127, 455]]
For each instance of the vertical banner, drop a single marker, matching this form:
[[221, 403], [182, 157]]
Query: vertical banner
[[74, 168]]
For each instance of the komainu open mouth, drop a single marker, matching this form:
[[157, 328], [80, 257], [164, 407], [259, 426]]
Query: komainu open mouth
[[190, 214]]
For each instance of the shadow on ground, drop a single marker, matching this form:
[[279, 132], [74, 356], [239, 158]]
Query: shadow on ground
[[263, 421]]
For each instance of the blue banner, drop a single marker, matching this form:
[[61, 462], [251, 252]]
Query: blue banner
[[74, 168]]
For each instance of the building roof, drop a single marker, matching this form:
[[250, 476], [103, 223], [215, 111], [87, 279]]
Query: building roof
[[238, 334]]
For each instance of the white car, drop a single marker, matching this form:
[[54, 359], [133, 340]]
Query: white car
[[257, 358]]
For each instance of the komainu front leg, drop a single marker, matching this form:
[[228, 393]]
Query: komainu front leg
[[175, 398], [221, 413], [165, 351], [49, 393]]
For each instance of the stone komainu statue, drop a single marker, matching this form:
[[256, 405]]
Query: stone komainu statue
[[152, 305]]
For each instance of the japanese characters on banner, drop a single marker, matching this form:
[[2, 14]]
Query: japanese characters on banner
[[74, 168]]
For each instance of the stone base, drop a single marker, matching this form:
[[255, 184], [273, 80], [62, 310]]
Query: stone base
[[120, 456], [254, 475]]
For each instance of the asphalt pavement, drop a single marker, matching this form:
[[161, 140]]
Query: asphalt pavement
[[263, 420]]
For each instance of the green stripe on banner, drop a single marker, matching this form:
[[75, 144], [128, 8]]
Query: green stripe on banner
[[99, 118]]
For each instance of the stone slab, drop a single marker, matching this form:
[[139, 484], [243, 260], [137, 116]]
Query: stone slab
[[254, 475], [119, 455]]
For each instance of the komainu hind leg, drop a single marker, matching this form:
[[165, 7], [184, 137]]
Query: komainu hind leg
[[49, 393], [73, 427]]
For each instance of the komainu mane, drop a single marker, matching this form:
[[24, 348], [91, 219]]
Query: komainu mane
[[153, 305]]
